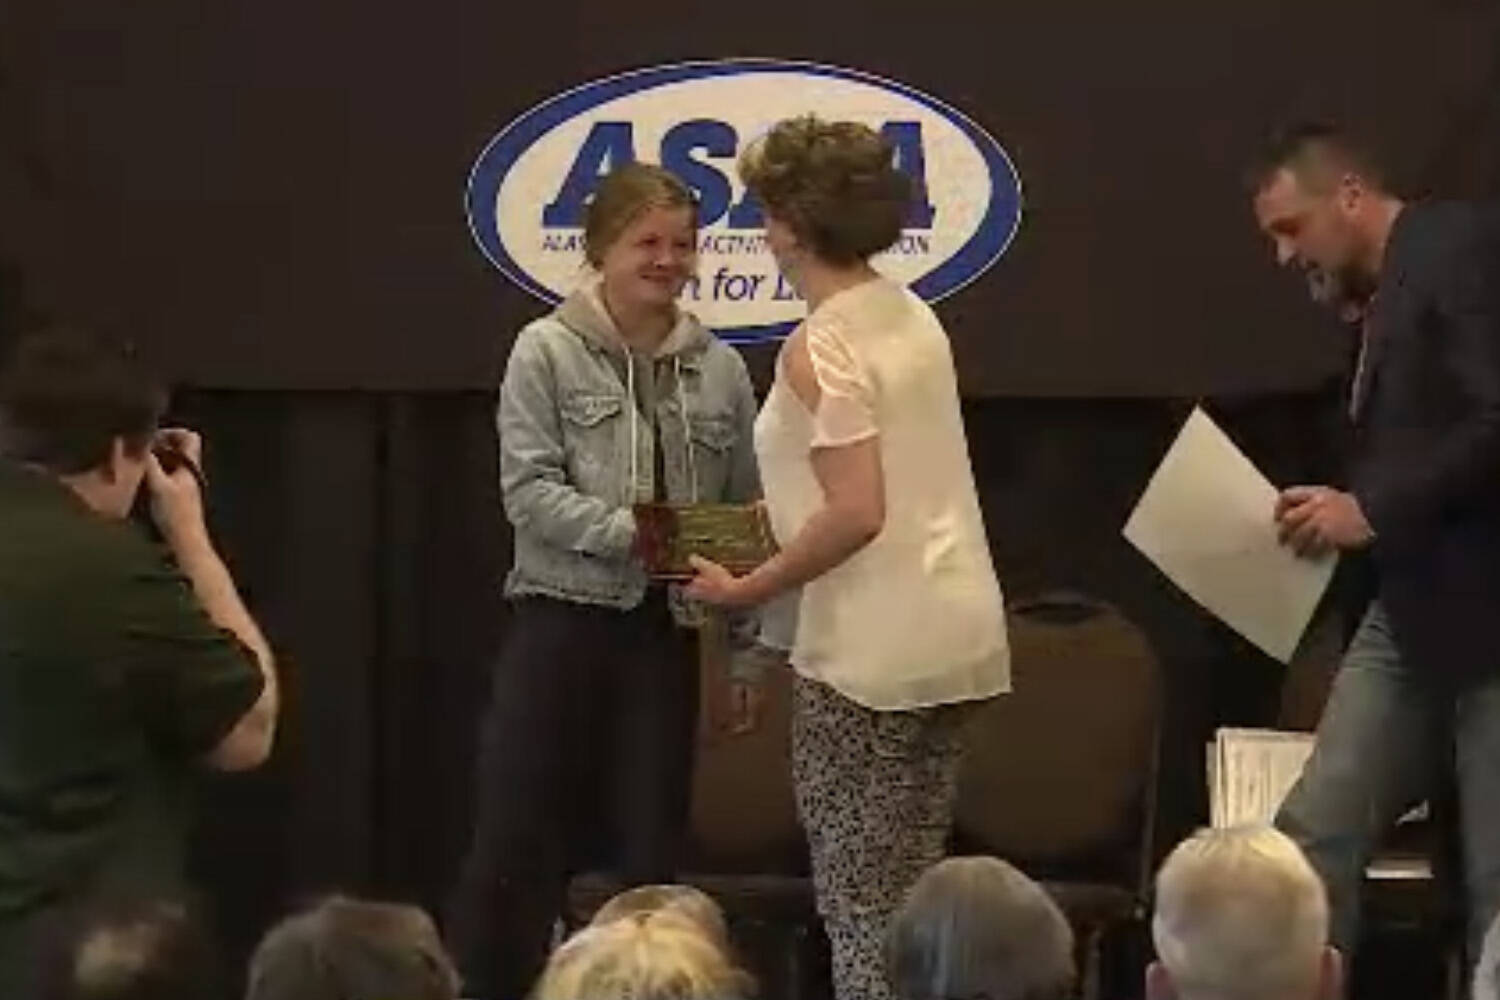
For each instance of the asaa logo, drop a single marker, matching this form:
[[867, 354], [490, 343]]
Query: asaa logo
[[527, 191]]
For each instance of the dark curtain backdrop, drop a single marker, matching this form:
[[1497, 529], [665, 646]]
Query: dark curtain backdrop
[[270, 194], [366, 533]]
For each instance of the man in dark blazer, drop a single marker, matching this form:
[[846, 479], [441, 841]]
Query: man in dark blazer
[[1421, 281]]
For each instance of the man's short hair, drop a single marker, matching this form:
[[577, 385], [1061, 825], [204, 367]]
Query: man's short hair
[[129, 949], [66, 395], [1240, 915], [348, 949], [978, 927], [1319, 153]]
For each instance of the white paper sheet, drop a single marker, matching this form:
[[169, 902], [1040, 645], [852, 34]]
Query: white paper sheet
[[1206, 521]]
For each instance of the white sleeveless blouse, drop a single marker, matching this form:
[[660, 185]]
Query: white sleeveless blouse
[[915, 618]]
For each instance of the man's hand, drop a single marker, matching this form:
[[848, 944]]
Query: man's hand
[[1314, 520], [176, 501]]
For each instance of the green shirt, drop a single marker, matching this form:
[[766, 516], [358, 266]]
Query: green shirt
[[114, 683]]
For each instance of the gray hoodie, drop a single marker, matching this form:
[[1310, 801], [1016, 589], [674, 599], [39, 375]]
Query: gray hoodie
[[579, 418]]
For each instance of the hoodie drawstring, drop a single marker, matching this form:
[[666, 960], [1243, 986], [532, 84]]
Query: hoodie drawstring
[[687, 434], [635, 454], [682, 414]]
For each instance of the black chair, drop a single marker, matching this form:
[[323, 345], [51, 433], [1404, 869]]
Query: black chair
[[1060, 778], [745, 846]]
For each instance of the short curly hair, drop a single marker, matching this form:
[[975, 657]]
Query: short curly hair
[[834, 183]]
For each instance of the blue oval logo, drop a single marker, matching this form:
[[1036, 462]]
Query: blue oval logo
[[528, 188]]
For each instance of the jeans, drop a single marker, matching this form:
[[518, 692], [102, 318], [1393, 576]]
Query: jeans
[[1377, 749], [585, 758]]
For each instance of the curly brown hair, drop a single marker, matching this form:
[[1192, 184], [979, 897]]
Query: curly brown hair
[[834, 183]]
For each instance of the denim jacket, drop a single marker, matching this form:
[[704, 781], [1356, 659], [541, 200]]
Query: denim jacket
[[579, 418]]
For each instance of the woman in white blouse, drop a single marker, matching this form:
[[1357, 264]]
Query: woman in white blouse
[[871, 497]]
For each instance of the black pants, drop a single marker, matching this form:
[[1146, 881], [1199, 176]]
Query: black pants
[[585, 759]]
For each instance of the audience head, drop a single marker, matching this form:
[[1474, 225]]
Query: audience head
[[348, 949], [831, 192], [85, 409], [684, 901], [645, 955], [130, 949], [1241, 915], [977, 927]]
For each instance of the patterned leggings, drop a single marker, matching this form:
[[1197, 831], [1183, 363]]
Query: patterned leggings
[[875, 791]]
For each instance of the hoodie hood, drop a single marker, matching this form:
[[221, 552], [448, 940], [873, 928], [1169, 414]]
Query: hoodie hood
[[583, 312]]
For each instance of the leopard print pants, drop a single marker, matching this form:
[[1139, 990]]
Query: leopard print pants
[[875, 791]]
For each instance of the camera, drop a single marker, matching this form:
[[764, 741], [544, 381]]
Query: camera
[[171, 458]]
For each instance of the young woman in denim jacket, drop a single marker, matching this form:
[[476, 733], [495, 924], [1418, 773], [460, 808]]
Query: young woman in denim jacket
[[617, 397]]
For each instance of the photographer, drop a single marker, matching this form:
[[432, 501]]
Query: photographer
[[120, 672]]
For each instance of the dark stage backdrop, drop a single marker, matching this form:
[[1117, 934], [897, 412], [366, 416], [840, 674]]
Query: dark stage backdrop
[[270, 193]]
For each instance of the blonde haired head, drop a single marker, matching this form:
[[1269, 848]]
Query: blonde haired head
[[1241, 915], [686, 901], [661, 955]]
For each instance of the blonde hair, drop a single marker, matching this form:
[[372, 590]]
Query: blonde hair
[[646, 956], [620, 198], [1240, 915], [691, 904]]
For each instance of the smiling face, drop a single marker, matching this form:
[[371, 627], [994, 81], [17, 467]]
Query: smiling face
[[640, 234], [649, 262]]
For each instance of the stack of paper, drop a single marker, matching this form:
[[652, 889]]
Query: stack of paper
[[1250, 772]]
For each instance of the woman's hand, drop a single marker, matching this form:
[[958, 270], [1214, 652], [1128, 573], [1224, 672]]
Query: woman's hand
[[716, 585]]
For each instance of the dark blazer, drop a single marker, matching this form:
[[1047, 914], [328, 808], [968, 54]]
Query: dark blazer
[[1426, 464]]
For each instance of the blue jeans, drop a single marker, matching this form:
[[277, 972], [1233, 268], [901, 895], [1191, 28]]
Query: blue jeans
[[1374, 759]]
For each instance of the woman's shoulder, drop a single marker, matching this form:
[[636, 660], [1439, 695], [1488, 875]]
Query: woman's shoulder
[[717, 355], [542, 331], [546, 340], [875, 304]]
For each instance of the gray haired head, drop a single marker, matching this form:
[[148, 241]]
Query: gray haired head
[[978, 929], [351, 949]]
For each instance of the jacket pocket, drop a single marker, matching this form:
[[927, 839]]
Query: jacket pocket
[[713, 450], [593, 445], [589, 409]]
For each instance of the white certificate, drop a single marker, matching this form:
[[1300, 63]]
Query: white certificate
[[1207, 521]]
